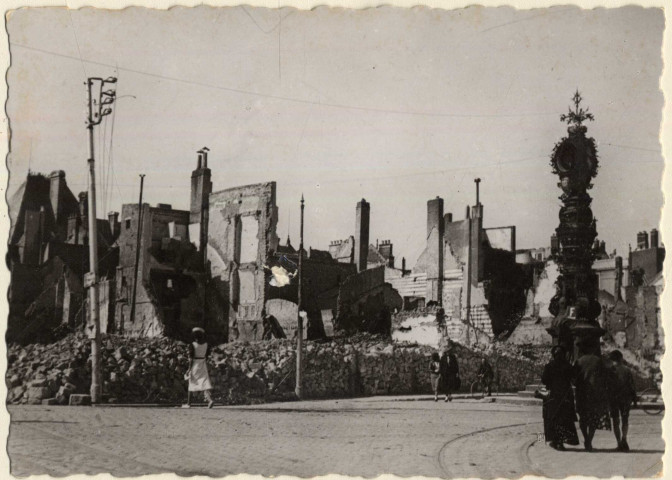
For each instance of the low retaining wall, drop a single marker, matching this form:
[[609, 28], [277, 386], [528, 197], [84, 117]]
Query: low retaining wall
[[140, 370]]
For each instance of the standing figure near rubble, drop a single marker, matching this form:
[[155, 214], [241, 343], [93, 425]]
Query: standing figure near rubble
[[450, 372], [558, 408], [621, 396], [591, 379], [486, 374], [199, 379], [435, 374]]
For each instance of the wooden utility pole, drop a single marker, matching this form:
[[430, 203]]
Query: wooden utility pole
[[138, 237], [299, 332], [468, 275], [96, 112]]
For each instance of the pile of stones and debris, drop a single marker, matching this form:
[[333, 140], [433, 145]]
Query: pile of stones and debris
[[136, 370], [151, 370]]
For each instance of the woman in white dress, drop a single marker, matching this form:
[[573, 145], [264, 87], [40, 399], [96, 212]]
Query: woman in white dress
[[199, 380]]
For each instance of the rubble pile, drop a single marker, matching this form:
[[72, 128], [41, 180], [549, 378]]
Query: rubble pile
[[140, 370], [151, 370]]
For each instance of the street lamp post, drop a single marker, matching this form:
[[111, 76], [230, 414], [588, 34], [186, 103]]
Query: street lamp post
[[98, 99], [299, 332]]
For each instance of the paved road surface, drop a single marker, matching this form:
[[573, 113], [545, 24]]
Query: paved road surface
[[362, 437]]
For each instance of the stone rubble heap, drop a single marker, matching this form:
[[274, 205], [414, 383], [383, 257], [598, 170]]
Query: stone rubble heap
[[151, 370]]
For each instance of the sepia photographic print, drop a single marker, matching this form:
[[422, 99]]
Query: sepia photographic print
[[277, 241]]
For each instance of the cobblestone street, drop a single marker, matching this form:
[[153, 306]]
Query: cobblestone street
[[363, 437]]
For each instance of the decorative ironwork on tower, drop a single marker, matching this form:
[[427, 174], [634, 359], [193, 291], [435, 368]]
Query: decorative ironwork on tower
[[575, 304]]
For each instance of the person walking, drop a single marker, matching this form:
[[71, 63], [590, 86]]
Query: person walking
[[199, 380], [558, 407], [435, 374], [486, 374], [450, 373], [591, 379], [622, 395]]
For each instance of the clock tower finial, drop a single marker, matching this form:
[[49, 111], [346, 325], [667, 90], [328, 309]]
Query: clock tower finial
[[579, 115]]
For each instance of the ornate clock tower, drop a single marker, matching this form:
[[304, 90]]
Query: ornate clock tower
[[575, 304]]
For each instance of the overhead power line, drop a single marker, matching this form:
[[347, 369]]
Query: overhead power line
[[399, 175], [291, 99], [632, 148]]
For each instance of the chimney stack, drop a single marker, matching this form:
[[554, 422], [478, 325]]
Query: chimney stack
[[435, 215], [435, 250], [56, 189], [654, 238], [642, 241], [73, 228], [618, 281], [83, 205], [201, 187], [555, 244], [385, 249], [113, 219], [363, 213], [41, 236], [205, 151]]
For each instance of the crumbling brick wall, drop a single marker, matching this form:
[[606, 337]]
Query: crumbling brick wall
[[642, 329], [241, 234]]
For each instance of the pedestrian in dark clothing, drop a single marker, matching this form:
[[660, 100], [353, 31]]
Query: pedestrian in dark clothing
[[435, 374], [558, 407], [267, 327], [622, 394], [450, 374], [591, 378], [486, 374]]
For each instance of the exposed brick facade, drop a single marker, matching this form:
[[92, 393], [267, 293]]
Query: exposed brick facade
[[241, 235]]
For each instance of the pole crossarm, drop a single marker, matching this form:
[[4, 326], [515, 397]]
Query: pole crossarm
[[99, 98]]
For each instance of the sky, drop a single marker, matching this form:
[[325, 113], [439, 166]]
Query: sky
[[393, 105]]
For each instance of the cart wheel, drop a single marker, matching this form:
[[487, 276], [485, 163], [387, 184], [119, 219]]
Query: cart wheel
[[652, 401], [477, 390]]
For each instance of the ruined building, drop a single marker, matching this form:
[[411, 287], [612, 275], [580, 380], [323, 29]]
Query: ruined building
[[646, 261], [210, 266], [48, 255], [629, 292], [172, 279], [322, 276], [467, 270], [241, 235], [635, 322], [360, 300], [243, 245]]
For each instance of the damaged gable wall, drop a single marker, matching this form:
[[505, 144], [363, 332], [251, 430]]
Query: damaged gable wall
[[241, 233], [152, 312], [442, 271]]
